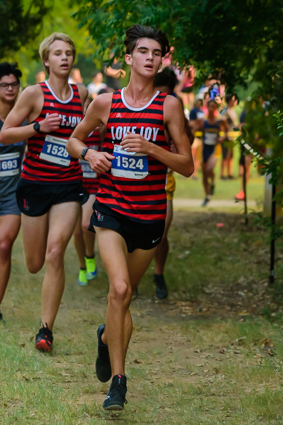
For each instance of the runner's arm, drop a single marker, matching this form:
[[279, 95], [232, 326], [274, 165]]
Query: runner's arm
[[97, 113], [174, 119], [26, 106]]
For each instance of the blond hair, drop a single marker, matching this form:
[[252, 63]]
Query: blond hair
[[44, 47]]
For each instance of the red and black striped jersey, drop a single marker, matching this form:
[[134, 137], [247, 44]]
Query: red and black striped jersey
[[90, 177], [47, 160], [135, 184]]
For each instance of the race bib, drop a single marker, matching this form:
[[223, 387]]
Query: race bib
[[130, 165], [54, 150], [88, 172], [210, 138], [9, 164]]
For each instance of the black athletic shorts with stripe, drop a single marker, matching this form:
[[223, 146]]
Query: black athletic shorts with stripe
[[137, 235], [36, 199]]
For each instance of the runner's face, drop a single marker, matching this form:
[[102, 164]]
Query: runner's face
[[8, 94], [146, 58], [60, 58]]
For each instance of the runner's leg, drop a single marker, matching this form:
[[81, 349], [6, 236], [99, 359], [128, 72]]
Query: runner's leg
[[62, 221], [124, 272], [89, 237], [163, 248], [34, 231], [79, 241], [9, 229]]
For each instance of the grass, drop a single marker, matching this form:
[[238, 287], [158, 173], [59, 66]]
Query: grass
[[210, 354]]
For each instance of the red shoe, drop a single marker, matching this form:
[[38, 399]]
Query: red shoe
[[44, 340], [240, 196]]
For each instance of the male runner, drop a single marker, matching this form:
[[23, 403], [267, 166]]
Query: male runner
[[10, 164], [50, 190], [130, 207]]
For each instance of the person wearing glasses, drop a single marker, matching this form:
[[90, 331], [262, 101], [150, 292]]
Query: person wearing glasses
[[10, 163]]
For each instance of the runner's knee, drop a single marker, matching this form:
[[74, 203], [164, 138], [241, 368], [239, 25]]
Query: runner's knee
[[120, 293], [55, 256], [34, 264], [5, 249]]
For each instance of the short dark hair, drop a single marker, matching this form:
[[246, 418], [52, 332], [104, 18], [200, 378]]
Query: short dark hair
[[139, 31], [229, 97], [7, 68], [211, 101], [167, 77]]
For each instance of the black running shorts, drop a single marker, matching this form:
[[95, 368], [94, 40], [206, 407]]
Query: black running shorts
[[36, 199], [137, 235]]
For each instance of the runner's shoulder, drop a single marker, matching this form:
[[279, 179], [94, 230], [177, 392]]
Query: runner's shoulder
[[171, 102], [31, 93], [172, 107], [101, 103]]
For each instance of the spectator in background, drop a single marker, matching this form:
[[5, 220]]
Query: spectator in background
[[75, 77], [228, 144], [96, 85], [40, 77], [114, 73]]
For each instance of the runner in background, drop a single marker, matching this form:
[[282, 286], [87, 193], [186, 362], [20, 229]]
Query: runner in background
[[195, 115], [10, 166], [50, 190], [228, 145], [211, 126], [84, 240]]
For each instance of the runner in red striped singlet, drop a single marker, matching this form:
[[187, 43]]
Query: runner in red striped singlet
[[130, 208], [50, 190], [84, 239]]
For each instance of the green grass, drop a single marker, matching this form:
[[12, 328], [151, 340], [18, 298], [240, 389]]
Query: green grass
[[210, 354]]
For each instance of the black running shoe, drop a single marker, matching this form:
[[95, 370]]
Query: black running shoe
[[116, 397], [205, 202], [102, 365], [161, 288], [44, 340], [1, 316]]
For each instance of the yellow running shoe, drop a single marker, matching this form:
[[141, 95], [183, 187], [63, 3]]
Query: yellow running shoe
[[82, 278], [91, 270]]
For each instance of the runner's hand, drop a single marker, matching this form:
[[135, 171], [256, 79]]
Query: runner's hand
[[100, 162], [50, 123], [135, 143]]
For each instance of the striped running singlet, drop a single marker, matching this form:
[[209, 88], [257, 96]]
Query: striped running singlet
[[47, 160], [90, 177], [135, 184]]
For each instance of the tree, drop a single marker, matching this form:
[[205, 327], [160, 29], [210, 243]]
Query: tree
[[58, 17], [241, 40], [19, 24]]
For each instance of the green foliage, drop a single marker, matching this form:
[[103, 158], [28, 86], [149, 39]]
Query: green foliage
[[58, 17], [240, 42], [20, 23], [234, 38]]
